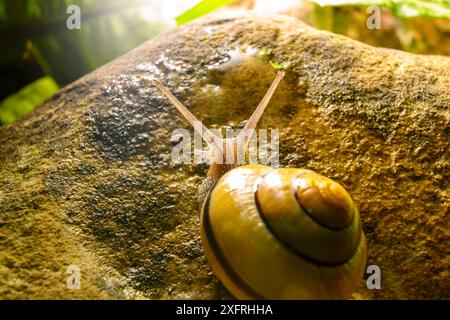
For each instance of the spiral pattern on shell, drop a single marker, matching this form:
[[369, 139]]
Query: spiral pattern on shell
[[283, 234]]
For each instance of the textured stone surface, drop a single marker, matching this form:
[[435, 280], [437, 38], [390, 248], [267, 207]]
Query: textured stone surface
[[86, 178]]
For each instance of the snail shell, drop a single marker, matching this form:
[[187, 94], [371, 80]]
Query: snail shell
[[283, 234]]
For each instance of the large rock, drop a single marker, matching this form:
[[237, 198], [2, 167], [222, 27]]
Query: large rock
[[86, 179]]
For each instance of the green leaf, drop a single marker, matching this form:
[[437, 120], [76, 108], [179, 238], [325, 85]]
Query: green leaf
[[283, 65], [263, 53], [25, 100], [200, 9]]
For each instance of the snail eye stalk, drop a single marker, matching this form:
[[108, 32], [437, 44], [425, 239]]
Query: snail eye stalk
[[216, 143], [253, 120], [206, 134]]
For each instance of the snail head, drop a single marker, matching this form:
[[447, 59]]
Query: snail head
[[223, 149]]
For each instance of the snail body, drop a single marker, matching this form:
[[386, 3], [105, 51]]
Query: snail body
[[282, 233]]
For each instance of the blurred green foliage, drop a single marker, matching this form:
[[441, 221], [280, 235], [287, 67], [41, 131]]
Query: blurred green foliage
[[424, 34], [36, 42], [400, 8], [22, 102]]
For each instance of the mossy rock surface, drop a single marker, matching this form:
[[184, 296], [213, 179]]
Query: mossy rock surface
[[86, 179]]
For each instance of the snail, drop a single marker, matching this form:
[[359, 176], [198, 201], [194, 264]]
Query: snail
[[282, 233]]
